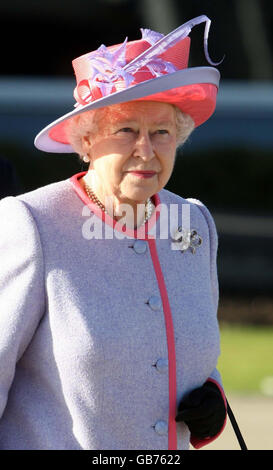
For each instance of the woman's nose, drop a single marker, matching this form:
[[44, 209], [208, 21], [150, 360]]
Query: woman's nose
[[144, 147]]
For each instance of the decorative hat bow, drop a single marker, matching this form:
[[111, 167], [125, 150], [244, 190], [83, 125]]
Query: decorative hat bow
[[107, 69]]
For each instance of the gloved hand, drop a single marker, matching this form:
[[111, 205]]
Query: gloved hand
[[203, 411]]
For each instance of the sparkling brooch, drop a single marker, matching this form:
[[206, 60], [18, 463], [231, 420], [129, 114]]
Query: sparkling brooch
[[185, 239]]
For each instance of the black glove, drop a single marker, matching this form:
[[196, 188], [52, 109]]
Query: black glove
[[203, 411]]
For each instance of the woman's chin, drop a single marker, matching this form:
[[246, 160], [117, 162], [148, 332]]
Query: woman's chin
[[140, 191], [139, 195]]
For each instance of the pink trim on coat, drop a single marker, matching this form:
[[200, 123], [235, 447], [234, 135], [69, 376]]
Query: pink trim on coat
[[172, 437]]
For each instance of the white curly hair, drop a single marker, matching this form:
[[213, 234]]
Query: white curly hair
[[85, 124]]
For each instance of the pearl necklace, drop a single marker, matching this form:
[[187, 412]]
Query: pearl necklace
[[93, 197]]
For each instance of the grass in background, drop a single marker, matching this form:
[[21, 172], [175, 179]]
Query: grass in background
[[246, 357]]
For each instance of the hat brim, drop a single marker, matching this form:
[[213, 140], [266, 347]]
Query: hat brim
[[193, 90]]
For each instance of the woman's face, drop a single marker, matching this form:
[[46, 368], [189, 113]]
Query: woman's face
[[132, 138]]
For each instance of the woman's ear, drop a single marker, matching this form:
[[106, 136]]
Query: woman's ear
[[86, 144], [86, 150]]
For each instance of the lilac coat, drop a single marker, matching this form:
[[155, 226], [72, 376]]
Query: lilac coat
[[100, 339]]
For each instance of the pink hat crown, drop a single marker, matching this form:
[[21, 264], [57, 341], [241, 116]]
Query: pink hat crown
[[110, 69]]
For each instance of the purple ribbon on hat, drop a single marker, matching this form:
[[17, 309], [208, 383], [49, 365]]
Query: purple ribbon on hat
[[171, 39], [109, 67]]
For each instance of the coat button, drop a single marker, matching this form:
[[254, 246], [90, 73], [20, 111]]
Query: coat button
[[162, 365], [140, 246], [161, 427], [154, 302]]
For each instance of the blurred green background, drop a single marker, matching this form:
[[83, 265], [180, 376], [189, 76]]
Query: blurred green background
[[246, 359]]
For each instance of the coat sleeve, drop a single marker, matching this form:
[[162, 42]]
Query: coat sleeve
[[213, 237], [22, 296], [215, 376]]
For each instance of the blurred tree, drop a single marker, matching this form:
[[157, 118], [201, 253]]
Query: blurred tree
[[161, 17], [254, 38]]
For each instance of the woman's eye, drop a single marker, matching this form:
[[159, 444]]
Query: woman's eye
[[126, 129], [162, 131]]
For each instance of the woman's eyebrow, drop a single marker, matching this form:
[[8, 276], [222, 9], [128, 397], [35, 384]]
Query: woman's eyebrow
[[132, 122], [123, 121], [163, 123]]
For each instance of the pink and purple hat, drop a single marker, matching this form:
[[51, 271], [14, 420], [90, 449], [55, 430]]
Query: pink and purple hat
[[153, 68]]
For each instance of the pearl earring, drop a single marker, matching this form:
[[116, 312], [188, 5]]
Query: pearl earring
[[86, 159]]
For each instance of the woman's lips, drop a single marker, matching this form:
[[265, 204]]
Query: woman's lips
[[143, 174]]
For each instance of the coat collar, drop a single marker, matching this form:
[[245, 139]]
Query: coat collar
[[141, 233]]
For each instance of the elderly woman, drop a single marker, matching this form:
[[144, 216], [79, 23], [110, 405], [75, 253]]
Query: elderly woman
[[108, 285]]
